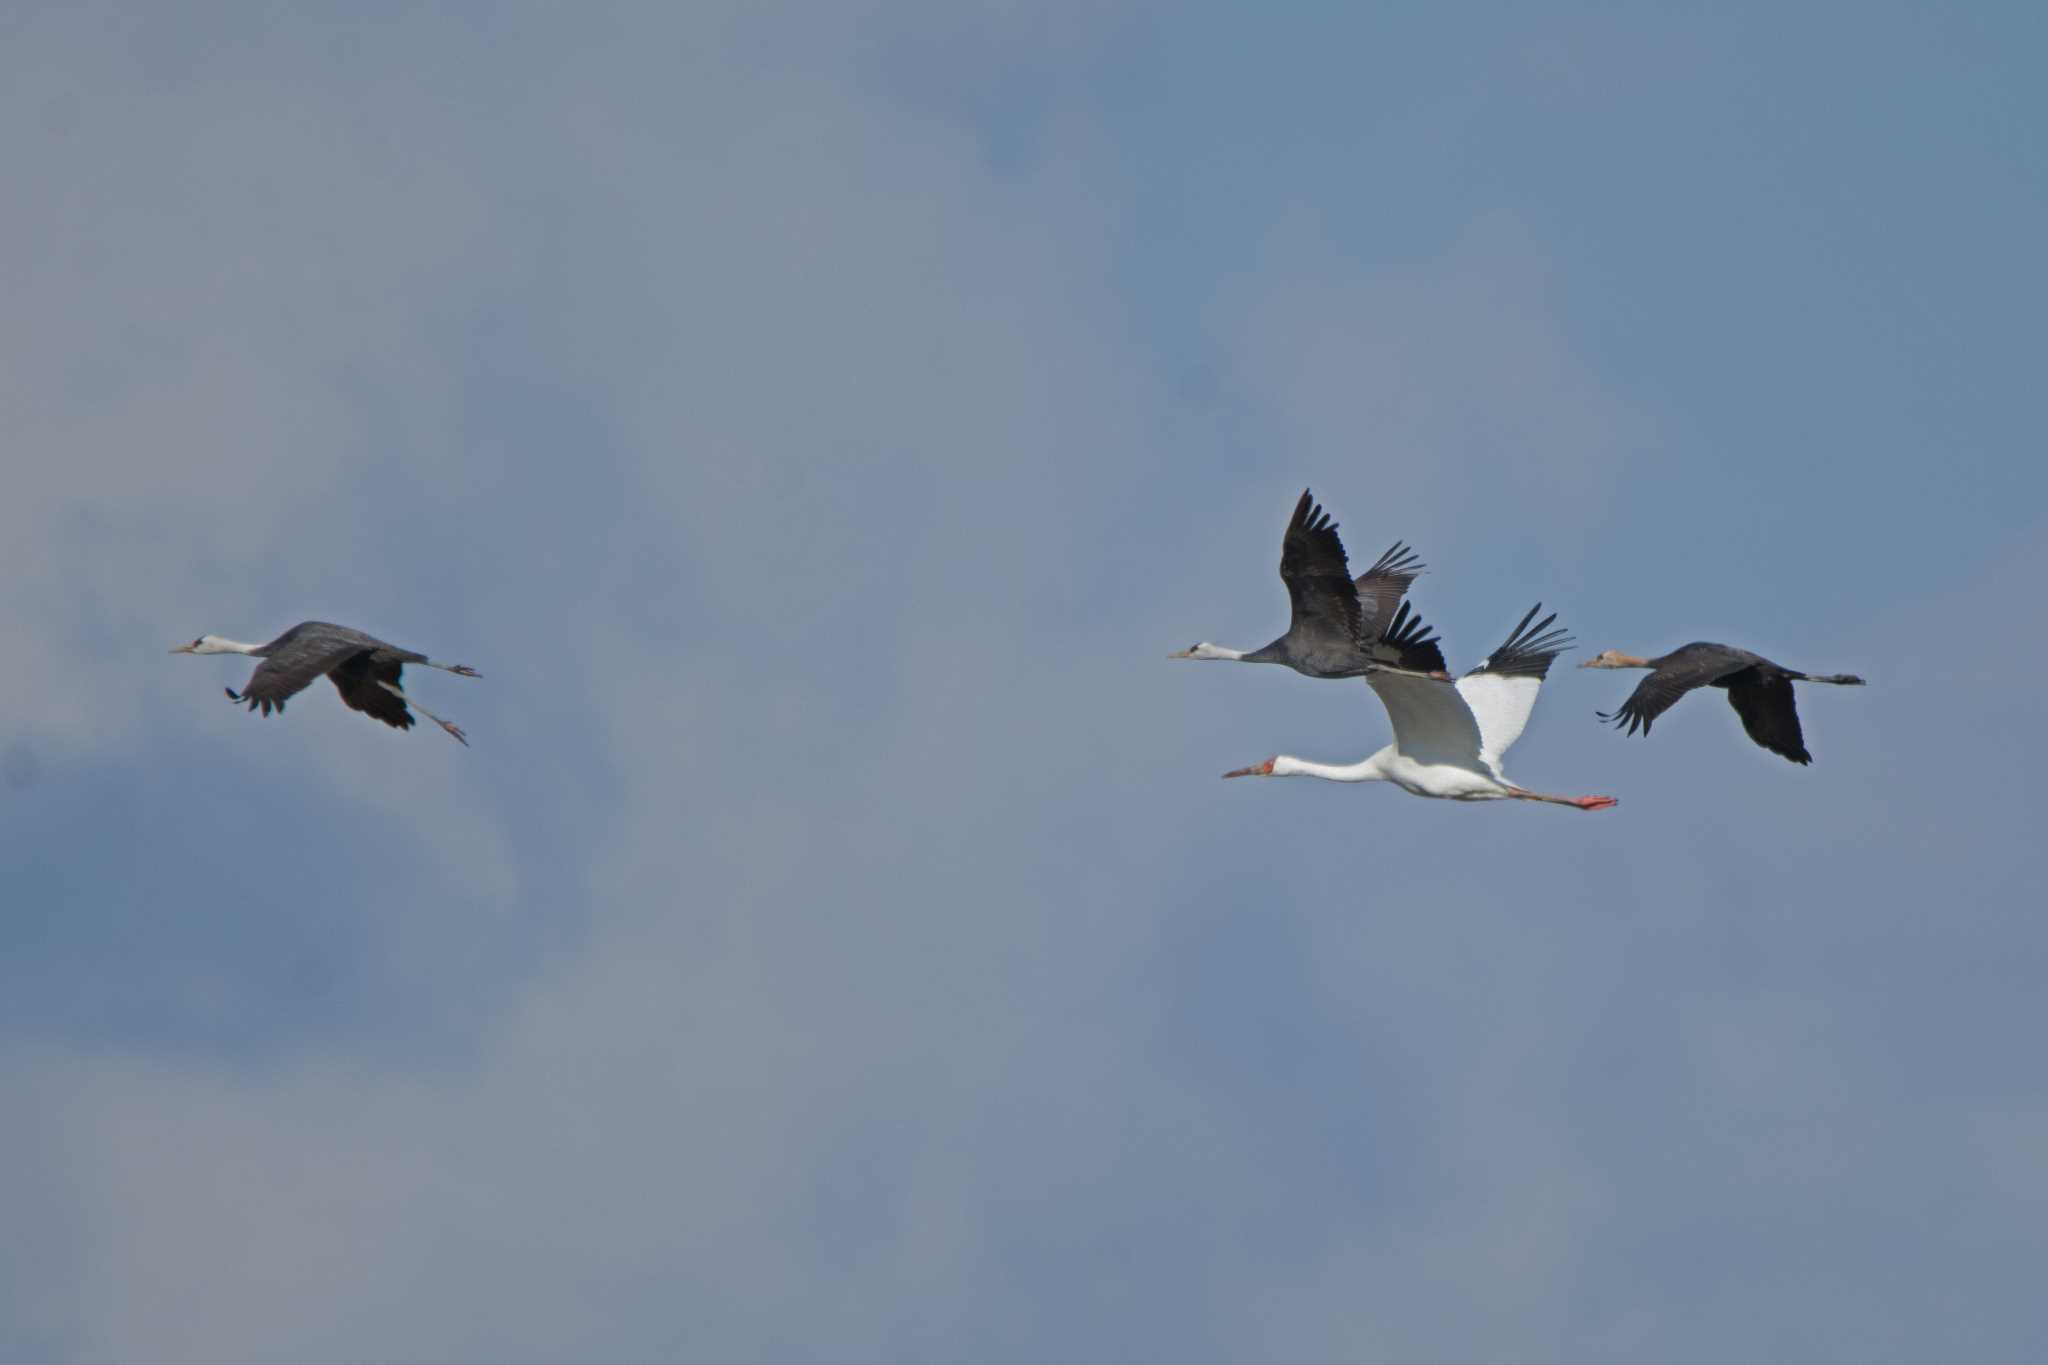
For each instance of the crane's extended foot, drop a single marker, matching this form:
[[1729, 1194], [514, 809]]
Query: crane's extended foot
[[464, 670], [1582, 802], [449, 726]]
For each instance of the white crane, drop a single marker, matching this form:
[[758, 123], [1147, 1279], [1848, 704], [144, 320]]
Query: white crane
[[1449, 738]]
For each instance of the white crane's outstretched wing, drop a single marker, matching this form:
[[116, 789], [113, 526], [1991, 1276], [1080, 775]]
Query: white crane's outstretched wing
[[1501, 691], [1432, 721]]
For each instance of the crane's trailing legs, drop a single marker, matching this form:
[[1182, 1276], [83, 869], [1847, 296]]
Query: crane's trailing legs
[[1582, 802], [451, 728]]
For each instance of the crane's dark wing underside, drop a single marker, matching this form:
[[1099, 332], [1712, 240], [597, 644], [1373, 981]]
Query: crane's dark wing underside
[[1318, 579], [357, 679], [289, 670], [1657, 693], [1769, 712], [1381, 588]]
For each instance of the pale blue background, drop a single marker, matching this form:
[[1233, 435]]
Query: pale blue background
[[818, 422]]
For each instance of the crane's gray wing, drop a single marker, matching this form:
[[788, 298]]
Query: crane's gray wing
[[1678, 675], [1318, 579], [1769, 713], [1381, 588], [290, 667], [357, 678]]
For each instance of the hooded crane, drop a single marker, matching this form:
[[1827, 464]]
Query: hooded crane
[[363, 668], [1759, 690], [1449, 741], [1341, 626]]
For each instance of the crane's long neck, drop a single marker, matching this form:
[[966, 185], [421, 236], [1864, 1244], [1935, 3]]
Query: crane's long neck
[[222, 645], [1205, 650], [1365, 770]]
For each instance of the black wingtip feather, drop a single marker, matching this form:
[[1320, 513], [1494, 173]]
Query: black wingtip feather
[[1309, 515], [1529, 649], [1624, 720]]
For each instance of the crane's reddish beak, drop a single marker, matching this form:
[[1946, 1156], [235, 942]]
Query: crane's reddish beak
[[1256, 770], [181, 649]]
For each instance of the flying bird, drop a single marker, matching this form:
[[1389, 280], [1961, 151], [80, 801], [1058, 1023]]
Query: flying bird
[[1341, 627], [1449, 740], [363, 668], [1759, 690]]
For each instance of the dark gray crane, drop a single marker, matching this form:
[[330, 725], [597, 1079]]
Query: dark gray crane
[[363, 668], [1759, 690], [1342, 627]]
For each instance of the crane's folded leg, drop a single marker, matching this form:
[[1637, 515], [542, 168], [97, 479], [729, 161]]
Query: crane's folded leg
[[452, 729]]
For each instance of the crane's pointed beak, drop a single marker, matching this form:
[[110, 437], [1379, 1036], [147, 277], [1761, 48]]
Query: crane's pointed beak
[[181, 649], [1256, 770], [1182, 654]]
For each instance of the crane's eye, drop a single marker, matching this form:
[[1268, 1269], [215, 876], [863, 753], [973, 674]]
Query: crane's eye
[[200, 641]]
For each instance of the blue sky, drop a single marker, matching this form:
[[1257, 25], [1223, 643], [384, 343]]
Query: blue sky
[[818, 423]]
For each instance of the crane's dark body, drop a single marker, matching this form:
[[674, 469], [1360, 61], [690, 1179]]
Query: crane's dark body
[[1344, 627], [364, 670], [1758, 689]]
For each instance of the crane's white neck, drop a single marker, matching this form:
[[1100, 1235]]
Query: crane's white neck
[[220, 644], [1365, 770], [1205, 650]]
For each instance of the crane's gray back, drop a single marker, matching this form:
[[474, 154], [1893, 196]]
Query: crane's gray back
[[324, 639]]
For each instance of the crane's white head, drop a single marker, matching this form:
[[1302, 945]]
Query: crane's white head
[[1614, 658], [208, 644], [1205, 650]]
